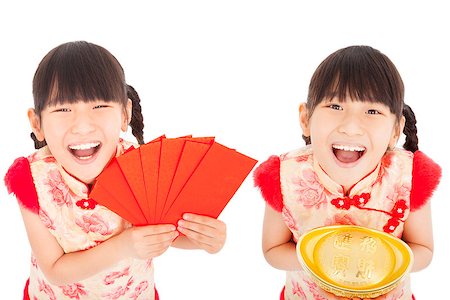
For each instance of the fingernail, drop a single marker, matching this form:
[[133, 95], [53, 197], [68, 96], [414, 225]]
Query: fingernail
[[186, 216]]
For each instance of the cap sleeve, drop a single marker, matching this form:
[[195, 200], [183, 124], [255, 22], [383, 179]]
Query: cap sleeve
[[267, 178], [19, 181], [426, 175]]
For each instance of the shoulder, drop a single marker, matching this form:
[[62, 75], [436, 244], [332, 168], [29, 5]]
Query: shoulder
[[267, 176], [19, 178], [426, 175], [301, 154], [19, 181]]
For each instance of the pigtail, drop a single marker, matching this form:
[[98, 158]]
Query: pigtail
[[410, 130], [307, 139], [137, 120], [37, 143]]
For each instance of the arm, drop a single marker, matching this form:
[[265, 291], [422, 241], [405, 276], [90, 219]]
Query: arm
[[63, 268], [278, 246], [201, 232], [418, 234]]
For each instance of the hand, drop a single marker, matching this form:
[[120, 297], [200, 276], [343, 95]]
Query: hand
[[205, 232], [146, 242]]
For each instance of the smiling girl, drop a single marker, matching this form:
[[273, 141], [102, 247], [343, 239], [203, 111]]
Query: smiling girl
[[350, 172], [80, 249]]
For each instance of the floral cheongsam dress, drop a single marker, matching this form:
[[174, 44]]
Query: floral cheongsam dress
[[78, 223], [297, 187]]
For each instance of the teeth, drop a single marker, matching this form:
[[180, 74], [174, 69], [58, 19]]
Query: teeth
[[85, 157], [84, 146], [349, 148]]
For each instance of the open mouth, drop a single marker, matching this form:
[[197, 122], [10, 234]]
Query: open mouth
[[348, 154], [84, 151]]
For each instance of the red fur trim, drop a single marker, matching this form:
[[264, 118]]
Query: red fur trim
[[426, 175], [19, 181], [267, 178]]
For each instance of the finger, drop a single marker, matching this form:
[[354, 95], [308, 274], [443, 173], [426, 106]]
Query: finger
[[156, 229], [196, 236], [197, 228], [162, 238], [205, 220]]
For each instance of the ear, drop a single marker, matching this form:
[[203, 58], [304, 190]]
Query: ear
[[35, 123], [396, 133], [304, 119], [126, 117]]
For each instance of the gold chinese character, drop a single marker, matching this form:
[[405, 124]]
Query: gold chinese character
[[368, 244], [343, 241], [365, 268], [340, 264]]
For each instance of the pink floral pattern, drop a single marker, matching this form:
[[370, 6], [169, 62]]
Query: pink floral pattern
[[74, 291], [47, 290], [297, 291], [119, 291], [139, 289], [111, 278], [48, 222], [315, 290], [310, 192], [288, 219], [58, 188], [345, 219], [94, 223]]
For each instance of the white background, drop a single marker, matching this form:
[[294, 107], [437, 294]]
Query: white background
[[236, 70]]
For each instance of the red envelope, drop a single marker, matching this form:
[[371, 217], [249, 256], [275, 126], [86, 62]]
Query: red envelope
[[193, 152], [211, 186], [131, 166], [120, 194], [159, 181], [150, 154]]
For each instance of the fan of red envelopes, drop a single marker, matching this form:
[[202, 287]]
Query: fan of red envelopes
[[159, 181]]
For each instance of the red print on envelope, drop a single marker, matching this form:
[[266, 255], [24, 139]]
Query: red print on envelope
[[159, 181]]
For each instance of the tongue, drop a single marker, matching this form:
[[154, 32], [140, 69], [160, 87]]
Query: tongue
[[84, 152], [346, 156]]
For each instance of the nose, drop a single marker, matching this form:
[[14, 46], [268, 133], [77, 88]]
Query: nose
[[351, 125], [82, 124]]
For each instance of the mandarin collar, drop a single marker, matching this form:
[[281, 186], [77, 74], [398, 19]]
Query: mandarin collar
[[337, 189]]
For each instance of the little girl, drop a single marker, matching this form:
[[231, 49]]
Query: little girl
[[80, 249], [350, 171]]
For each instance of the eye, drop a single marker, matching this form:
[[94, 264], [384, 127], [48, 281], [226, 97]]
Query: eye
[[63, 109], [100, 106], [373, 112], [335, 106]]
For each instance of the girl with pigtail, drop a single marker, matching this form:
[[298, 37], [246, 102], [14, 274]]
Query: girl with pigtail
[[350, 171], [80, 249]]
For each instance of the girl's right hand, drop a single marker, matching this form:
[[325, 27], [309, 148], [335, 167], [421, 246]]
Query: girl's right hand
[[146, 242]]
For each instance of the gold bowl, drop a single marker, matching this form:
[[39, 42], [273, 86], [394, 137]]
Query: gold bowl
[[353, 261]]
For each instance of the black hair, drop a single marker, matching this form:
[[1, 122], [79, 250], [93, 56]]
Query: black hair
[[364, 74], [83, 71]]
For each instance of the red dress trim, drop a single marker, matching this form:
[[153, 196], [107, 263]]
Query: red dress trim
[[267, 178], [426, 175], [19, 181]]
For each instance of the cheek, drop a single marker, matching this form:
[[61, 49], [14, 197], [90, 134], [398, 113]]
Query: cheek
[[53, 131]]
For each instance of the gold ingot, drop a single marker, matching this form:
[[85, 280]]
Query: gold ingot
[[353, 261]]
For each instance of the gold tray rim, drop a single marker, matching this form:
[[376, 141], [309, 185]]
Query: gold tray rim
[[348, 292]]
